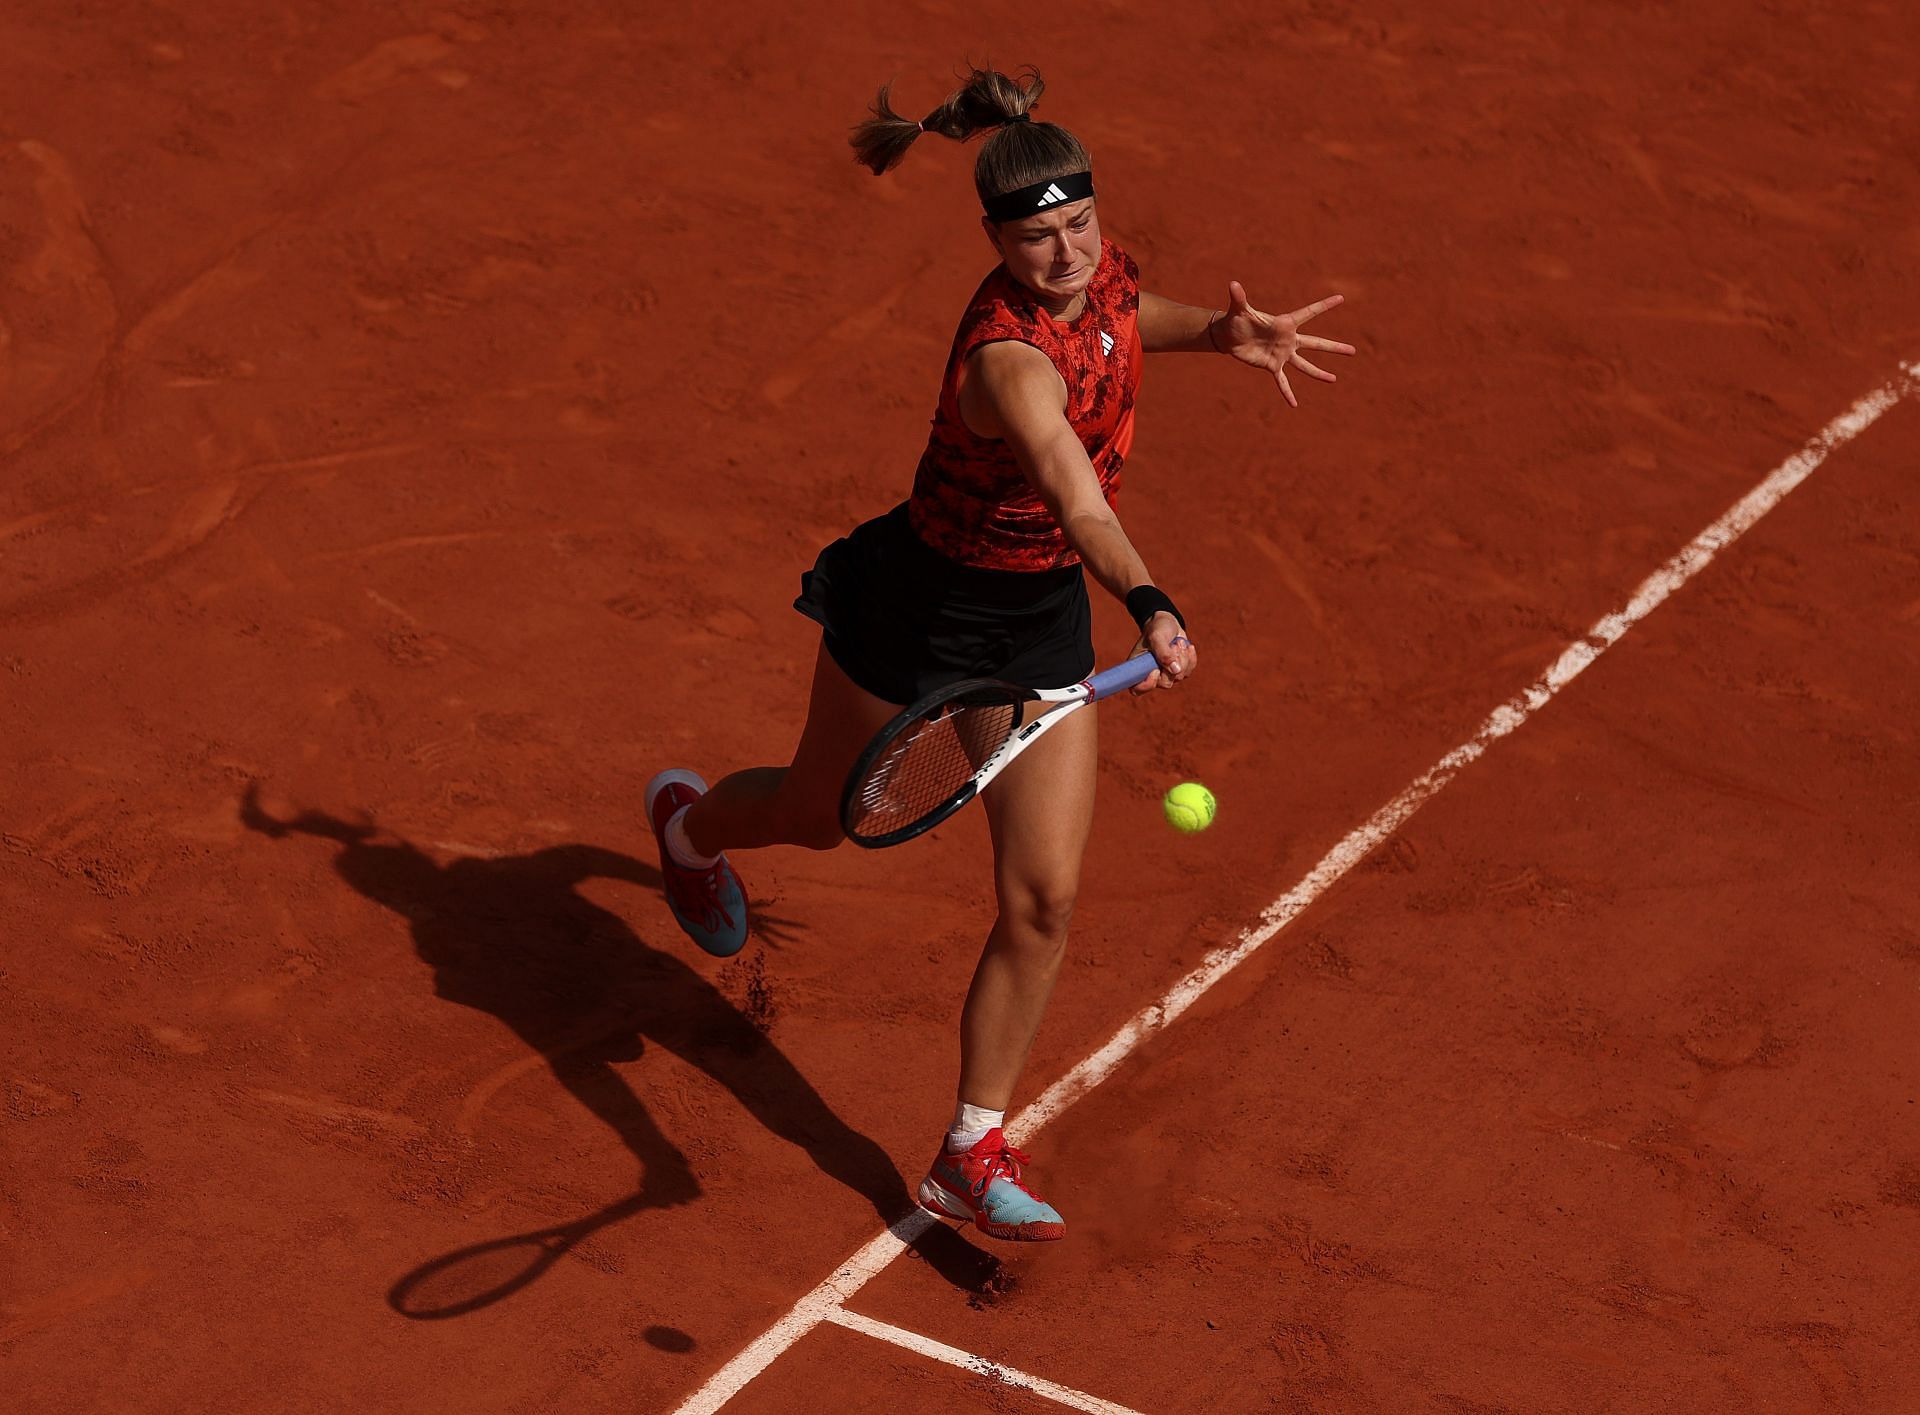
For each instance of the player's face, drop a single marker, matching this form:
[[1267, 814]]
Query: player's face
[[1053, 254]]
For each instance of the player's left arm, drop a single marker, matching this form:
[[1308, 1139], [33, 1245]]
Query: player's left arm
[[1265, 341]]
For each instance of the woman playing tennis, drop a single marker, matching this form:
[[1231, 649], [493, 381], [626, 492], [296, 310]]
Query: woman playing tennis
[[981, 573]]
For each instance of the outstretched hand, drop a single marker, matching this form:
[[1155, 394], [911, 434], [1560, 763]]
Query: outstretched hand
[[1273, 341]]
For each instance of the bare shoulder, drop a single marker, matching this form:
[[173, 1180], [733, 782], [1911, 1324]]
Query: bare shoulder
[[1008, 362], [1008, 383]]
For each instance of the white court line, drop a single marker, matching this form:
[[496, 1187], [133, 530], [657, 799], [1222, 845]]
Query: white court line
[[979, 1365], [826, 1299]]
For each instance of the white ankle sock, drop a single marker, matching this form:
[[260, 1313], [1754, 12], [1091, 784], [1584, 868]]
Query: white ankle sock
[[970, 1126], [681, 848]]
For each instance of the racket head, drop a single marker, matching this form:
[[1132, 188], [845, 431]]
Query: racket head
[[922, 766]]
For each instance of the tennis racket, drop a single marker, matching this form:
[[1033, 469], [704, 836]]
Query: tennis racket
[[940, 753]]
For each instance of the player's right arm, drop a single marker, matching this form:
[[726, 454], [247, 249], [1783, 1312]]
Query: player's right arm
[[1013, 392]]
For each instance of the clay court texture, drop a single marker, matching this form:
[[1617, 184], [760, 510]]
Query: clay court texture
[[413, 424]]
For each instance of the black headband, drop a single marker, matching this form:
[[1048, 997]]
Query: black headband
[[1030, 201]]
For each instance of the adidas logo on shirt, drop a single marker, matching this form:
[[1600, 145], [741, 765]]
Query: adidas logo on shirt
[[1051, 195], [1106, 342]]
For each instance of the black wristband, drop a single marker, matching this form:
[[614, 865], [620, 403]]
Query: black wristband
[[1145, 601]]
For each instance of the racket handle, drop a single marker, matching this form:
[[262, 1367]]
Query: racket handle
[[1110, 681]]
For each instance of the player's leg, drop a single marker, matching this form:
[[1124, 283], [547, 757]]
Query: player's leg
[[798, 804], [1039, 811]]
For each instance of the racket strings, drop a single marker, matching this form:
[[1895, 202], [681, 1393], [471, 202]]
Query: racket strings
[[927, 762]]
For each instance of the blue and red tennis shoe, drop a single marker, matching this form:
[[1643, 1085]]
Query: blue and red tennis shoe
[[984, 1184], [709, 903]]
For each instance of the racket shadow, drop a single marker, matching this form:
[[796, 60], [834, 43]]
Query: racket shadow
[[482, 1274], [512, 936]]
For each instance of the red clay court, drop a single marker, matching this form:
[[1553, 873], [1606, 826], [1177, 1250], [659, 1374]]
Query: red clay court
[[413, 423]]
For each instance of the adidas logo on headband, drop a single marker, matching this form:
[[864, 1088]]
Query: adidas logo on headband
[[1027, 201]]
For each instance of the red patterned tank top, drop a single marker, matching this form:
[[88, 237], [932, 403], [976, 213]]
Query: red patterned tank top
[[971, 499]]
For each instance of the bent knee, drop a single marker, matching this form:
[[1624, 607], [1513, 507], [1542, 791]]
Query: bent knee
[[1039, 913]]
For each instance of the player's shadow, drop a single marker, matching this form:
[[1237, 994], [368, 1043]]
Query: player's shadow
[[512, 936]]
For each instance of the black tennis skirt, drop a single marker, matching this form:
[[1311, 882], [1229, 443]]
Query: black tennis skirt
[[903, 621]]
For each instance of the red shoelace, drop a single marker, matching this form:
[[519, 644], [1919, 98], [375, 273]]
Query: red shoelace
[[1006, 1160], [702, 887]]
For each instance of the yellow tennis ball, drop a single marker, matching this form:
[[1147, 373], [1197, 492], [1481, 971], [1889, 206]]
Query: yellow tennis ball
[[1189, 807]]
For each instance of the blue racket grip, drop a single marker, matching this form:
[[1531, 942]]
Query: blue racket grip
[[1110, 681]]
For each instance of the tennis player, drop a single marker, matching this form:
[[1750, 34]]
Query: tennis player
[[981, 573]]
